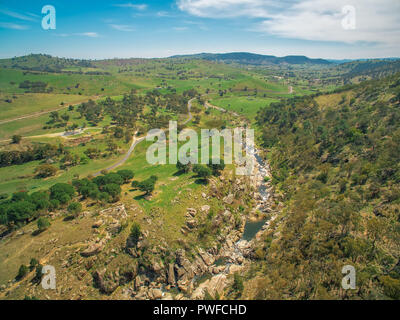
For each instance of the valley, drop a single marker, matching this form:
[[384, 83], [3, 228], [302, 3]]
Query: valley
[[78, 193]]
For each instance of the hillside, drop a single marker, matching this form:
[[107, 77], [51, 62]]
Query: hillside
[[335, 163], [44, 63], [254, 59], [369, 69]]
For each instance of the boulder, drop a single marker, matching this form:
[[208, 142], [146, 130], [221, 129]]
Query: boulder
[[229, 199], [191, 211], [155, 294], [171, 274], [98, 224], [191, 223], [107, 284], [93, 249]]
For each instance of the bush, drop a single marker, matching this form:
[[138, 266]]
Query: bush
[[217, 168], [16, 139], [202, 171], [135, 232], [33, 263], [62, 192], [75, 208], [43, 224], [114, 190], [238, 284], [126, 175], [45, 171], [148, 185], [22, 272]]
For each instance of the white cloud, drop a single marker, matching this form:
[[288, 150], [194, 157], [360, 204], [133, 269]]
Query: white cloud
[[139, 7], [377, 21], [81, 34], [88, 34], [180, 28], [19, 15], [13, 26], [122, 27], [233, 8]]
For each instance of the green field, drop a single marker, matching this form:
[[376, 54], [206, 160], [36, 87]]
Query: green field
[[248, 106]]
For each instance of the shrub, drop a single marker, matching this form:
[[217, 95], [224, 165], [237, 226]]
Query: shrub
[[135, 232], [45, 171], [75, 208], [43, 224], [126, 175], [22, 272], [33, 263], [16, 139]]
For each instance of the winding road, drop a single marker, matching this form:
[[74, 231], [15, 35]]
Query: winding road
[[136, 141]]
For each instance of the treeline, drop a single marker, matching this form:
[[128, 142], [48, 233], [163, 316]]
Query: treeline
[[23, 207], [337, 169], [38, 152], [33, 86]]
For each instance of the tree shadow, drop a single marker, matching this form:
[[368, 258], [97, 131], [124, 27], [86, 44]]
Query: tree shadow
[[201, 181], [37, 232], [141, 197], [179, 173]]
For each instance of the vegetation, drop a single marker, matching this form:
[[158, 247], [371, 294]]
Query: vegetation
[[333, 152], [43, 224], [347, 209]]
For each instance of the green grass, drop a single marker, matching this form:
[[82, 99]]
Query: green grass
[[22, 177], [247, 106], [27, 104]]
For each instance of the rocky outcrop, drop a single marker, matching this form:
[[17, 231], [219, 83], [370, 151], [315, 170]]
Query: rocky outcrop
[[106, 283], [94, 249]]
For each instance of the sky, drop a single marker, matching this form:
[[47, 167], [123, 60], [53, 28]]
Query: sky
[[99, 29]]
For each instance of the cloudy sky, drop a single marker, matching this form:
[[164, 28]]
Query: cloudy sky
[[336, 29]]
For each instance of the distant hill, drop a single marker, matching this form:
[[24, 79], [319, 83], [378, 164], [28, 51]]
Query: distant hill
[[44, 63], [353, 60], [254, 59], [375, 69]]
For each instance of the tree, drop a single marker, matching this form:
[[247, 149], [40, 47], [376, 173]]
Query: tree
[[75, 209], [114, 190], [118, 132], [62, 192], [238, 284], [22, 272], [33, 263], [202, 172], [43, 224], [135, 232], [126, 175], [217, 168], [45, 171], [65, 117], [186, 168], [16, 139], [92, 153], [148, 185]]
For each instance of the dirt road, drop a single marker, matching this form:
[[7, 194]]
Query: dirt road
[[137, 140], [38, 114]]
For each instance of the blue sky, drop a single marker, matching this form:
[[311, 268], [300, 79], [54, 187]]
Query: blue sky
[[107, 29]]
